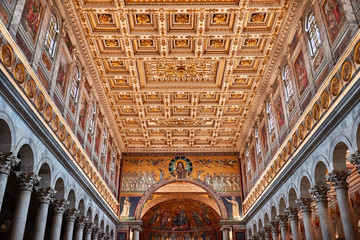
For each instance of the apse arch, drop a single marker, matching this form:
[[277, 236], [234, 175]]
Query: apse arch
[[140, 206]]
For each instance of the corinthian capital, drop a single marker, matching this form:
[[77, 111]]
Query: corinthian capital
[[89, 228], [59, 205], [267, 231], [7, 162], [355, 160], [80, 221], [27, 180], [304, 204], [45, 194], [95, 232], [338, 178], [274, 227], [71, 214], [292, 212], [283, 220], [319, 192]]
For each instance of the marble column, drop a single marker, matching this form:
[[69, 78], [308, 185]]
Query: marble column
[[283, 222], [338, 179], [225, 232], [274, 230], [70, 216], [355, 160], [88, 230], [59, 206], [26, 181], [136, 230], [7, 162], [44, 195], [79, 227], [95, 233], [304, 205], [267, 233], [320, 194], [292, 213]]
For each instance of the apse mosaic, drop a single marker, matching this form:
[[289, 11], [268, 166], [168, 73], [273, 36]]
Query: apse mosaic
[[140, 171], [181, 219]]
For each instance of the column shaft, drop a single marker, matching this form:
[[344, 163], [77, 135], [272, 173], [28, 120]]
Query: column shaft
[[3, 183], [136, 234], [56, 226], [308, 225], [225, 233], [325, 221], [71, 215], [40, 221], [79, 232], [7, 162]]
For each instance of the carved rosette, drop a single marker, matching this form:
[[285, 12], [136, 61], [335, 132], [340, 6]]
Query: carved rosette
[[95, 232], [355, 160], [267, 231], [338, 178], [27, 180], [304, 204], [283, 220], [274, 227], [319, 192], [7, 162], [88, 228], [59, 205], [80, 221], [292, 212], [71, 214], [45, 194]]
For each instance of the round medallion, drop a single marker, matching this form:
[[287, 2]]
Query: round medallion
[[7, 55], [73, 149], [295, 140], [316, 112], [308, 122], [284, 155], [30, 88], [19, 73], [180, 167], [289, 148], [346, 71], [40, 102], [48, 113], [55, 124], [335, 86], [301, 131], [357, 53], [68, 142], [325, 100], [62, 133]]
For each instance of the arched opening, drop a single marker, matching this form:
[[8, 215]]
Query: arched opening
[[292, 197], [266, 220], [102, 225], [260, 225], [320, 173], [339, 156], [358, 137], [304, 187], [89, 215], [181, 218], [96, 221], [45, 175], [71, 199], [107, 229], [273, 214], [27, 158], [111, 234], [5, 137], [254, 228], [59, 188], [282, 206], [81, 208]]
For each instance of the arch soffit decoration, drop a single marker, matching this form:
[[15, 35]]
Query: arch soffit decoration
[[197, 182]]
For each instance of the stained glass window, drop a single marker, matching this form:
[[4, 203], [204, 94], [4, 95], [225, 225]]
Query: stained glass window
[[270, 117], [258, 147], [313, 33], [75, 84], [287, 83], [51, 34], [92, 119]]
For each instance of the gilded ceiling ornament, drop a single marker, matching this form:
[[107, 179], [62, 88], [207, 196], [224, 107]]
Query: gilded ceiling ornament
[[216, 43], [257, 17], [251, 42], [105, 18], [117, 63], [146, 43], [220, 18], [175, 122], [181, 43], [143, 18], [111, 43], [181, 18], [245, 63]]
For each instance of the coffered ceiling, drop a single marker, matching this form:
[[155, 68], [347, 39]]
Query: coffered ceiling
[[176, 74]]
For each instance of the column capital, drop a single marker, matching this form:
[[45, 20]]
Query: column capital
[[274, 225], [27, 180], [338, 178], [283, 220], [304, 204], [80, 221], [45, 194], [225, 227], [101, 234], [292, 212], [71, 214], [355, 160], [59, 205], [95, 232], [320, 192], [7, 162], [135, 228], [267, 231], [88, 228]]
